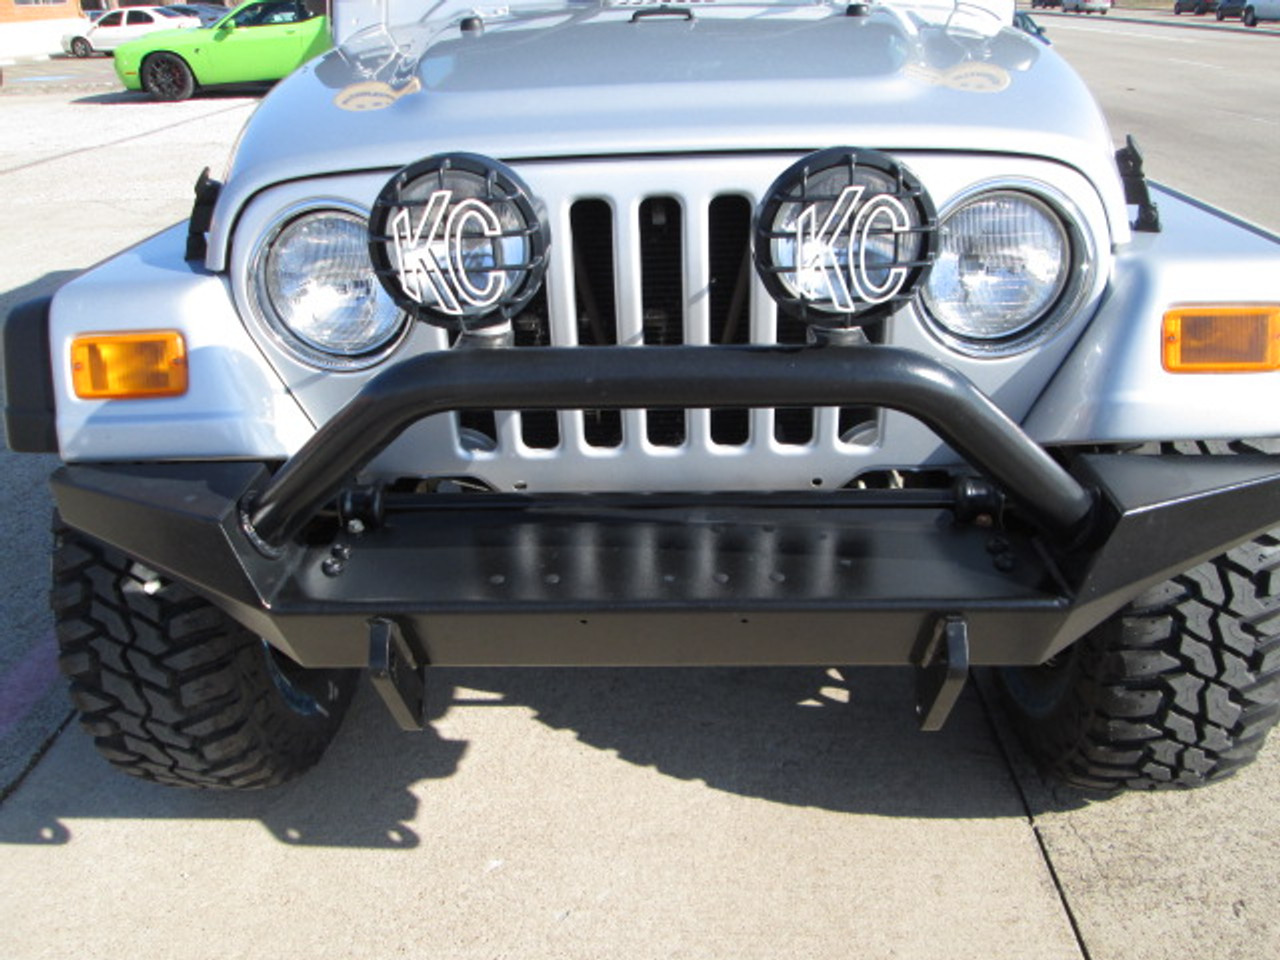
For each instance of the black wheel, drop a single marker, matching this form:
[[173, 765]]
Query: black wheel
[[171, 689], [1178, 689], [81, 47], [166, 76], [1220, 15], [1249, 17]]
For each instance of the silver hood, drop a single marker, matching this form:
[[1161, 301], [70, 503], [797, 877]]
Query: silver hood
[[581, 79]]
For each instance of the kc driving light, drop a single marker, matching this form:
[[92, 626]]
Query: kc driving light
[[316, 289], [843, 236], [1004, 259], [457, 241]]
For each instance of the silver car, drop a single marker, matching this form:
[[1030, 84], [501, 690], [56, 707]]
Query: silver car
[[622, 333], [1257, 11]]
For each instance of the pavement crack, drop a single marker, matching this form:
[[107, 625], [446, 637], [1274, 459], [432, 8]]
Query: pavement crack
[[8, 789], [1029, 813]]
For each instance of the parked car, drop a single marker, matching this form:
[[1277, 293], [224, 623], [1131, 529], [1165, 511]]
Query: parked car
[[112, 29], [1198, 7], [209, 13], [260, 41], [1086, 6], [1256, 11], [1230, 9], [517, 338]]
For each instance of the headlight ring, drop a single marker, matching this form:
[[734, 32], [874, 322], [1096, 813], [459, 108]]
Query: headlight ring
[[1013, 264], [313, 288]]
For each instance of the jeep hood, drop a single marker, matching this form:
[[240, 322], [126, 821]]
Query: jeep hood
[[579, 79]]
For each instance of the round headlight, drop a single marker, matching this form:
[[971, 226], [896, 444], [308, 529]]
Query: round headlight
[[457, 241], [1004, 259], [843, 235], [318, 292]]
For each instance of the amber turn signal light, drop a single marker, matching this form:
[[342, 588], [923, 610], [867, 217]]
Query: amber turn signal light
[[129, 366], [1232, 338]]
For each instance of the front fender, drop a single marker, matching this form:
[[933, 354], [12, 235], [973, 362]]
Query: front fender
[[236, 405], [1113, 387]]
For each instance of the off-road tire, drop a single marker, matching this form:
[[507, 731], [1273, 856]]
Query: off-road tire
[[1178, 689], [173, 690]]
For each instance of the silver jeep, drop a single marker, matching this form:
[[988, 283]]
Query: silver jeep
[[614, 332]]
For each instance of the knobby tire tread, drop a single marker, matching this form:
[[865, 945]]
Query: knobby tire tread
[[1182, 686], [170, 688]]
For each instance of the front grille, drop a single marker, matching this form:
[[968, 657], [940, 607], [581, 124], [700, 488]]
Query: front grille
[[691, 282]]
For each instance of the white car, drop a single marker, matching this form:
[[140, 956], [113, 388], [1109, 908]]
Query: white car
[[1086, 6], [120, 26]]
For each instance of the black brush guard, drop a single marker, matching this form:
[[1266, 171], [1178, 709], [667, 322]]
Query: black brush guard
[[850, 577]]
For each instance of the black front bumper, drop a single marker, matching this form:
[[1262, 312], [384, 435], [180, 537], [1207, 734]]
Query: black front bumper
[[850, 577]]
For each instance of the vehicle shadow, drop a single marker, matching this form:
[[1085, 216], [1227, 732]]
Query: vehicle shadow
[[792, 736], [140, 98]]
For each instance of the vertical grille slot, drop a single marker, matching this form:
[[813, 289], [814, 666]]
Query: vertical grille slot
[[593, 269], [793, 425], [596, 301], [729, 264], [662, 299], [662, 271], [538, 428]]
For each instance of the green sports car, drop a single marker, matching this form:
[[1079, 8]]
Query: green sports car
[[262, 40]]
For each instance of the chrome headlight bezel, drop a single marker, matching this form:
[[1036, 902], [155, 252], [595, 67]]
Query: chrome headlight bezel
[[1077, 276], [279, 329]]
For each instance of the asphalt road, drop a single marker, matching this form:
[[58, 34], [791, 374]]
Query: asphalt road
[[1201, 98], [593, 814]]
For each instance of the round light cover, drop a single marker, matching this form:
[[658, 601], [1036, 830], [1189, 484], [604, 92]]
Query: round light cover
[[318, 292], [1004, 259], [457, 242], [843, 236]]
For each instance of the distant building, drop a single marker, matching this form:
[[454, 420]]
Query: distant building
[[27, 10]]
